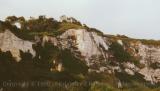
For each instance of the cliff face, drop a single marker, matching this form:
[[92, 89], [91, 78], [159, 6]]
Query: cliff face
[[94, 49], [150, 58], [89, 44], [9, 42]]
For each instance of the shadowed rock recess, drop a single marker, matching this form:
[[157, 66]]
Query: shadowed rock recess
[[43, 54]]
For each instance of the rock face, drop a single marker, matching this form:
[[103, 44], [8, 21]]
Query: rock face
[[92, 48], [150, 55], [152, 75], [9, 42], [88, 43]]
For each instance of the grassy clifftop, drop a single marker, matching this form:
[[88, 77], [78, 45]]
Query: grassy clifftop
[[27, 29], [149, 42]]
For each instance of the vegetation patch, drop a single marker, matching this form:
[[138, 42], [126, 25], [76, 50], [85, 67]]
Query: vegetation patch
[[65, 26]]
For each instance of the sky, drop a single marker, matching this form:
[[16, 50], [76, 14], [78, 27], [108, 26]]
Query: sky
[[134, 18]]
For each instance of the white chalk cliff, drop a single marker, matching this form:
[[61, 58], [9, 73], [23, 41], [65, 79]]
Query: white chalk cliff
[[93, 48], [10, 42]]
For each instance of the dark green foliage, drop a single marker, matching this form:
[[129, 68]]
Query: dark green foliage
[[41, 24], [72, 64], [6, 63], [119, 53], [45, 55]]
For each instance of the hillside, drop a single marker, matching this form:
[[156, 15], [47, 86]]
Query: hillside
[[44, 54]]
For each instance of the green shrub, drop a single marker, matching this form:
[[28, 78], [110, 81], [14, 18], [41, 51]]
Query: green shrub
[[119, 53], [65, 26], [73, 64]]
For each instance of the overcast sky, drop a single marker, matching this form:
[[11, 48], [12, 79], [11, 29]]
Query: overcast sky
[[134, 18]]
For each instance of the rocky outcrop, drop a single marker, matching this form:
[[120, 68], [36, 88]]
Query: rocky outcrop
[[92, 48], [150, 55], [151, 75], [147, 55], [89, 44], [10, 42]]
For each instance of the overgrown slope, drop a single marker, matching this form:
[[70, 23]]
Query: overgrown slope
[[45, 54]]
